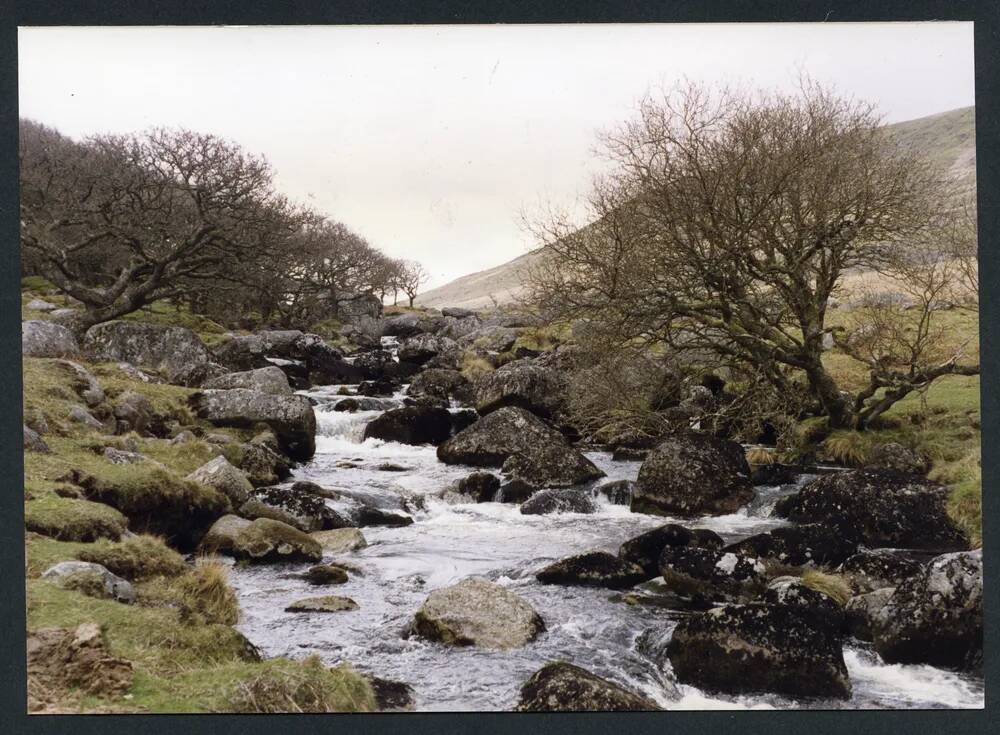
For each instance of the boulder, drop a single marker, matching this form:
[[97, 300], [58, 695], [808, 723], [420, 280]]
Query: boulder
[[887, 509], [542, 456], [692, 475], [860, 611], [458, 328], [176, 352], [711, 574], [493, 338], [84, 383], [263, 380], [33, 442], [113, 586], [411, 425], [242, 352], [814, 544], [133, 412], [225, 478], [47, 339], [304, 511], [935, 617], [119, 456], [897, 458], [262, 464], [562, 687], [221, 537], [443, 384], [291, 418], [821, 608], [739, 649], [482, 486], [323, 574], [325, 604], [593, 569], [476, 612], [618, 492], [266, 540], [452, 311], [421, 348], [407, 324], [40, 305], [874, 570], [392, 696], [646, 549], [340, 540], [560, 500], [516, 491], [525, 384], [80, 415]]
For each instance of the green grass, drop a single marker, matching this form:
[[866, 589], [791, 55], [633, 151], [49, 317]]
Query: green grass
[[71, 519], [136, 558]]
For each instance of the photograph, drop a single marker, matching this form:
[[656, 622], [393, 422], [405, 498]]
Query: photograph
[[580, 367]]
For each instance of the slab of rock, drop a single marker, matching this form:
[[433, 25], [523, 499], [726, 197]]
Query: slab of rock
[[225, 478], [562, 687], [47, 339], [423, 347], [525, 384], [886, 509], [291, 418], [693, 475], [304, 511], [323, 574], [873, 570], [80, 415], [221, 537], [340, 540], [133, 412], [810, 544], [325, 604], [264, 380], [646, 549], [821, 608], [476, 612], [481, 486], [560, 500], [593, 569], [411, 425], [860, 611], [524, 446], [758, 647], [935, 617], [710, 574], [33, 442], [115, 587], [268, 541], [441, 383], [176, 352]]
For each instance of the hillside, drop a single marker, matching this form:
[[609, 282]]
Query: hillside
[[947, 138]]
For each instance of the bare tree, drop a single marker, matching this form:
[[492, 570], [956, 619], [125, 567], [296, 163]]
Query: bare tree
[[727, 223], [412, 277], [121, 221]]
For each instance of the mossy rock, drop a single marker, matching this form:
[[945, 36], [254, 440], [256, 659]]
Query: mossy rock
[[135, 558], [69, 519], [266, 540]]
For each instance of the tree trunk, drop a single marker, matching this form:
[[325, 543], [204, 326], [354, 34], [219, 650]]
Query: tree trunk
[[411, 301], [834, 404]]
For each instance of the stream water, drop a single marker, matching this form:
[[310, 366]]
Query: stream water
[[448, 542]]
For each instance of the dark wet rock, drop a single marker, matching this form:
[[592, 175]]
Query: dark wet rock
[[524, 384], [442, 384], [897, 458], [774, 474], [392, 467], [692, 474], [935, 617], [629, 454], [646, 549], [821, 608], [618, 492], [367, 515], [225, 478], [242, 352], [113, 586], [562, 687], [41, 338], [888, 509], [291, 418], [861, 610], [176, 352], [325, 604], [560, 500], [593, 569], [376, 388], [392, 696], [461, 420], [516, 491], [476, 612], [268, 541], [221, 537], [33, 442], [873, 570], [481, 486], [347, 405], [264, 380], [303, 510], [262, 464], [781, 650], [411, 425], [711, 574], [323, 574], [815, 544], [542, 456]]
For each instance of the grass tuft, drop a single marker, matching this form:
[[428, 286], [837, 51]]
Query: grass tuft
[[306, 687], [834, 586], [206, 596], [136, 558]]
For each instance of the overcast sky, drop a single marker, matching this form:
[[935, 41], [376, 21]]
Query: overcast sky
[[430, 140]]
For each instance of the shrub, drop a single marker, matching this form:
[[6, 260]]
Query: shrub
[[834, 586], [135, 558], [205, 594], [303, 687]]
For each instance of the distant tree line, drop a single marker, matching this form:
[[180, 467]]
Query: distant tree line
[[120, 221], [724, 230]]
